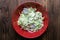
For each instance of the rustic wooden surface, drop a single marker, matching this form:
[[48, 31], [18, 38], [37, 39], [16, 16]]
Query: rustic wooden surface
[[8, 33]]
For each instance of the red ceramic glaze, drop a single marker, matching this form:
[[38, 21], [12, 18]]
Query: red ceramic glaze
[[24, 33]]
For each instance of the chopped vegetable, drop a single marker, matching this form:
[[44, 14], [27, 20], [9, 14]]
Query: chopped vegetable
[[30, 20]]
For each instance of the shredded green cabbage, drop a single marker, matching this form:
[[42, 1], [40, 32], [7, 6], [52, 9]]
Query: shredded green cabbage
[[30, 20]]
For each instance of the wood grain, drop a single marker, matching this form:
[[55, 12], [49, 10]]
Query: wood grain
[[8, 33]]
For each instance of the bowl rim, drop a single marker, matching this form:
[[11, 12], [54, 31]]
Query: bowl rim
[[34, 3]]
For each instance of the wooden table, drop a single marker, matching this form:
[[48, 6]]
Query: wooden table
[[8, 33]]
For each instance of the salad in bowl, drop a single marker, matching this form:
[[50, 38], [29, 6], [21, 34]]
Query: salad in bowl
[[30, 20]]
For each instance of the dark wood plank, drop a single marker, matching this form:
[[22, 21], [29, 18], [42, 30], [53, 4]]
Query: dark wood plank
[[6, 30]]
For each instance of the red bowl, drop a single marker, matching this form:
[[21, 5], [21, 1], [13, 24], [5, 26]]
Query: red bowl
[[15, 16]]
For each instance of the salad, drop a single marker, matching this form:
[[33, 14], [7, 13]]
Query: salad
[[30, 20]]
